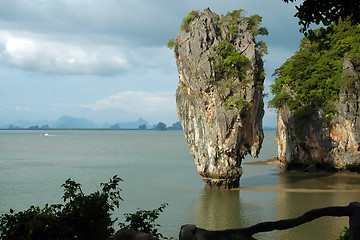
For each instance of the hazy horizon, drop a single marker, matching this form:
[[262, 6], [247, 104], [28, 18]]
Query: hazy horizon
[[53, 123], [28, 123]]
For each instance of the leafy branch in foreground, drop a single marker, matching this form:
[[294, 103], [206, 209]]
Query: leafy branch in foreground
[[344, 235], [80, 217], [326, 12], [144, 221]]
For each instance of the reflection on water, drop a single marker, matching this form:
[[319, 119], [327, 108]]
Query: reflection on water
[[326, 181], [221, 209], [217, 210], [293, 204]]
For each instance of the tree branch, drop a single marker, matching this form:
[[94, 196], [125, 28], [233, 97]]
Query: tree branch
[[294, 222], [191, 232]]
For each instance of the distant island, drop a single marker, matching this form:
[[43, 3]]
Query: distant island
[[67, 122]]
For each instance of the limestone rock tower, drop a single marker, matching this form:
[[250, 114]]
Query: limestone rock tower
[[220, 92]]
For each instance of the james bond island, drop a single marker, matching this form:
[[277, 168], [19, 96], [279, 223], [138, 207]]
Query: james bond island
[[220, 92]]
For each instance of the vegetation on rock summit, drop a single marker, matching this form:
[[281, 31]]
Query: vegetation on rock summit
[[311, 79]]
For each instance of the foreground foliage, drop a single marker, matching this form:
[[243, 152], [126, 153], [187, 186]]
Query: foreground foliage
[[344, 234], [80, 217], [144, 221], [326, 11], [311, 78]]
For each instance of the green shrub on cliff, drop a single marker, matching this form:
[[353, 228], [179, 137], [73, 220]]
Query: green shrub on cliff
[[312, 77], [185, 25], [171, 44], [231, 19], [238, 103], [254, 25], [227, 63]]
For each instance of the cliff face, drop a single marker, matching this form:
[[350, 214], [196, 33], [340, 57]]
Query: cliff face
[[315, 141], [219, 104]]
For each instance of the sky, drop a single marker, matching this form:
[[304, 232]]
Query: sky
[[107, 60]]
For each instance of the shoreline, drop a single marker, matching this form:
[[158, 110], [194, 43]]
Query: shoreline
[[296, 190], [327, 176], [272, 161]]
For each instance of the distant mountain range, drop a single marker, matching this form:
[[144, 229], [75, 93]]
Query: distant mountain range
[[269, 128], [71, 122], [67, 122]]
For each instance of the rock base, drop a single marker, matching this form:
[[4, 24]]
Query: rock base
[[212, 183]]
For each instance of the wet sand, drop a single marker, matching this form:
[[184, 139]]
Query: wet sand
[[297, 190], [317, 182], [272, 161]]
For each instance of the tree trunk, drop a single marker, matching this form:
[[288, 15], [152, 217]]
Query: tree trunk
[[191, 232]]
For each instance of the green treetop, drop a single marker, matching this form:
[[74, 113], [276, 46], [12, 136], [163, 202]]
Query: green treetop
[[326, 12], [311, 78]]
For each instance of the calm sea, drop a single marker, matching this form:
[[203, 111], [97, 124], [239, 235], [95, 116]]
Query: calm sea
[[157, 168]]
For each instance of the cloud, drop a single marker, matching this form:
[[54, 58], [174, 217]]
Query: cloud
[[74, 33], [78, 42], [41, 55], [138, 22], [136, 102]]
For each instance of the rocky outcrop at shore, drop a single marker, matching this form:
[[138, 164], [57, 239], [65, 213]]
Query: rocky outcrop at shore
[[318, 142], [220, 92]]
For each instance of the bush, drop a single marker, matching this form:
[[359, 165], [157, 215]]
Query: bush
[[227, 63], [144, 221], [171, 44], [80, 217], [344, 234], [185, 25]]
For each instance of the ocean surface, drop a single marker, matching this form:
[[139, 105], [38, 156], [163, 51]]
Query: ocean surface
[[156, 168]]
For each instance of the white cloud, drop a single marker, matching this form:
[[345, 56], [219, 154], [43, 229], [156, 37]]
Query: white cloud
[[136, 102], [139, 22], [42, 55]]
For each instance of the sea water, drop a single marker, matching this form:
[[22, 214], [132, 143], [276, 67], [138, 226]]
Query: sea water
[[156, 168]]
